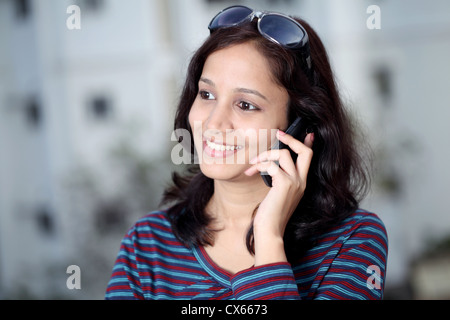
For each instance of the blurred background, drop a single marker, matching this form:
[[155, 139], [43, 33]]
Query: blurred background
[[86, 110]]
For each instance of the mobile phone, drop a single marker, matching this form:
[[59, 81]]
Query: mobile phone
[[298, 130]]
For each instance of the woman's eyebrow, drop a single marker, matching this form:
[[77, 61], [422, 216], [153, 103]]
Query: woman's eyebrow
[[251, 91], [207, 81], [242, 90]]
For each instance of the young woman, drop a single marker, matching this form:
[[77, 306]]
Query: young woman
[[228, 234]]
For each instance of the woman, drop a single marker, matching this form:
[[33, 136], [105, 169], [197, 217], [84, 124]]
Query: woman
[[229, 235]]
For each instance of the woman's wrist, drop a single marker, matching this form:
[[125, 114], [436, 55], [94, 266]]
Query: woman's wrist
[[268, 249]]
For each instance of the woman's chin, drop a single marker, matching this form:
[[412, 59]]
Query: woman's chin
[[227, 172]]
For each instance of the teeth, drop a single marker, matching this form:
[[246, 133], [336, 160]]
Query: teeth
[[221, 147]]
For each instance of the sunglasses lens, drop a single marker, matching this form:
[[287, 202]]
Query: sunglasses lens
[[282, 29], [229, 17]]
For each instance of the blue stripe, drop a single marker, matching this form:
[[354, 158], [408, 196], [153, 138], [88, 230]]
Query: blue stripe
[[205, 281], [253, 294]]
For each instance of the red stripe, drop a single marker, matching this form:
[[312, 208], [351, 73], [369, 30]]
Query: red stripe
[[262, 282], [334, 248], [283, 294], [162, 252], [168, 267], [355, 290]]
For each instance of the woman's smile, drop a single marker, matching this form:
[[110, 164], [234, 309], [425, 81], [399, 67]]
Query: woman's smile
[[218, 149]]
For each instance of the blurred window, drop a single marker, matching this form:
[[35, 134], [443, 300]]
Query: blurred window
[[383, 82], [45, 221], [101, 108], [33, 113], [90, 5], [23, 8]]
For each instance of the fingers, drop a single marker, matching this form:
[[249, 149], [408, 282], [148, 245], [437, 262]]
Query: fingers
[[303, 150], [283, 157], [270, 167], [309, 140], [267, 160], [294, 144]]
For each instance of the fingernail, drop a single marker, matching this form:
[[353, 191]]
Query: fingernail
[[253, 161], [312, 137], [281, 133]]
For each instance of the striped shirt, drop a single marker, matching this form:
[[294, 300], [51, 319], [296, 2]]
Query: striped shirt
[[348, 262]]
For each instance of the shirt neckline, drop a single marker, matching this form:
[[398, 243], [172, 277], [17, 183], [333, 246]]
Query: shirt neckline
[[220, 275]]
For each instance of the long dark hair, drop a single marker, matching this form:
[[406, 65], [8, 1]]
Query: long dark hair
[[337, 176]]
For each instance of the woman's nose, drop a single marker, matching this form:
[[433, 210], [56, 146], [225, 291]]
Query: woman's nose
[[219, 118]]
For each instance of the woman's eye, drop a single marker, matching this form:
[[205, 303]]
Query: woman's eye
[[247, 106], [206, 95]]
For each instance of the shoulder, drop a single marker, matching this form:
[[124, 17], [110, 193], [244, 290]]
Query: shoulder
[[363, 217], [349, 260], [365, 220], [365, 230], [155, 219], [153, 225], [362, 226]]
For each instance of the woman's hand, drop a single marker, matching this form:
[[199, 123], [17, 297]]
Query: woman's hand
[[288, 187]]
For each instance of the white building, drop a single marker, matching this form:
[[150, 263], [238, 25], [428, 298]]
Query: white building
[[68, 98]]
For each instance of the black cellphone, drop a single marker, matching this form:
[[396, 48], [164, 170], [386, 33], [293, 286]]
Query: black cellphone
[[298, 130]]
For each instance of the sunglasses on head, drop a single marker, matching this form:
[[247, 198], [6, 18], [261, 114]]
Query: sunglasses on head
[[276, 27]]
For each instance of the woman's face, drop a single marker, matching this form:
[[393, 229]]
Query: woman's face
[[237, 111]]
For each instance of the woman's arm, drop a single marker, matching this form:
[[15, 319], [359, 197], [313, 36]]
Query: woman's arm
[[124, 283], [351, 264], [288, 186], [274, 281], [358, 268]]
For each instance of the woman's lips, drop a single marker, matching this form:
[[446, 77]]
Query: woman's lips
[[219, 150]]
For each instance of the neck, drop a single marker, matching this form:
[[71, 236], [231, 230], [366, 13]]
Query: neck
[[233, 203]]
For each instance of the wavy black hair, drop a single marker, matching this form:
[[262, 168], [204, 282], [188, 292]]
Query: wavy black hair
[[338, 177]]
